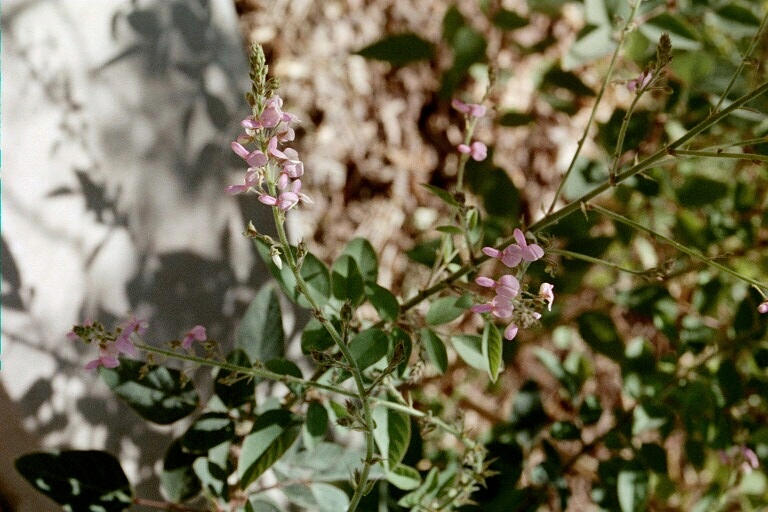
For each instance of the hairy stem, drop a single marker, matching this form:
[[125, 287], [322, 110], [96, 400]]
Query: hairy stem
[[603, 87], [357, 375]]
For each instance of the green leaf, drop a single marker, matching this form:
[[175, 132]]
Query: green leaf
[[492, 347], [392, 433], [442, 194], [313, 271], [452, 21], [241, 390], [402, 346], [178, 479], [450, 230], [508, 20], [469, 347], [315, 336], [654, 457], [435, 349], [700, 191], [557, 78], [468, 48], [682, 35], [256, 504], [362, 252], [209, 430], [260, 333], [272, 434], [592, 43], [160, 396], [286, 367], [447, 309], [513, 118], [369, 347], [383, 301], [500, 196], [213, 470], [80, 480], [599, 332], [632, 489], [318, 496], [346, 280], [404, 477], [565, 430], [317, 419], [590, 410], [399, 49]]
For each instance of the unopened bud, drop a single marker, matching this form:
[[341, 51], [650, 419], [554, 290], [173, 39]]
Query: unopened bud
[[274, 252]]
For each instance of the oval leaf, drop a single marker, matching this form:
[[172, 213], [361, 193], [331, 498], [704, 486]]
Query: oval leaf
[[79, 480], [317, 419], [346, 280], [272, 434], [362, 252], [447, 309], [369, 347], [399, 49], [234, 390], [260, 333], [435, 349], [178, 479], [383, 300], [160, 396], [492, 347], [209, 430], [392, 434], [404, 477]]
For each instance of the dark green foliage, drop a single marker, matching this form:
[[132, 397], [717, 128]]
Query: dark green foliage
[[399, 49]]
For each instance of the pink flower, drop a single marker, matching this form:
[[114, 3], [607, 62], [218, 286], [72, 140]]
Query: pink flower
[[134, 325], [251, 179], [546, 293], [72, 336], [513, 254], [763, 308], [124, 345], [751, 460], [473, 109], [197, 333], [640, 82], [285, 133], [287, 199], [510, 332], [107, 358], [507, 286], [478, 151], [254, 158], [292, 166], [500, 306]]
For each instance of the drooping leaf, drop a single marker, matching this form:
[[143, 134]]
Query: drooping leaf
[[237, 390], [469, 347], [369, 347], [260, 333], [442, 194], [492, 347], [160, 396], [272, 434], [404, 477], [209, 430], [362, 252], [435, 349], [599, 331], [383, 300], [178, 479], [508, 20], [317, 419], [347, 281], [81, 480], [399, 49], [447, 309], [392, 434]]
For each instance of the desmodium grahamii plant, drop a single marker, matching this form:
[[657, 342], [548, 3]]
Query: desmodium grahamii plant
[[362, 431]]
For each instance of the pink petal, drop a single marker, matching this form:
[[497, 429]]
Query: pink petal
[[93, 364], [510, 332], [479, 151], [250, 124], [256, 159], [199, 333], [286, 134], [109, 362], [509, 281], [289, 118], [481, 308], [71, 336], [460, 106], [512, 255], [463, 148], [270, 117], [187, 341], [520, 237], [763, 308], [491, 252], [533, 252], [272, 148], [268, 200], [124, 345], [240, 150], [487, 282], [236, 189], [282, 181], [476, 110], [296, 186]]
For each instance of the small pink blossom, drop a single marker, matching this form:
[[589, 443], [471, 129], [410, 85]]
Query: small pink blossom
[[251, 180], [472, 109], [72, 336], [507, 285], [286, 199], [499, 306], [197, 333], [478, 151], [750, 457], [640, 82], [124, 345], [546, 293], [107, 358], [513, 254], [134, 325], [285, 133], [763, 308], [272, 149], [254, 158], [511, 331]]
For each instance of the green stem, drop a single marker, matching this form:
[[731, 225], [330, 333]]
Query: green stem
[[357, 375], [554, 217], [465, 157], [752, 45], [622, 134], [591, 259], [720, 154], [603, 87], [680, 247], [747, 142], [245, 370]]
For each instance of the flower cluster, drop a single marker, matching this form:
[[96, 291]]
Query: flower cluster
[[280, 170], [473, 111], [641, 82], [112, 344], [507, 287]]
